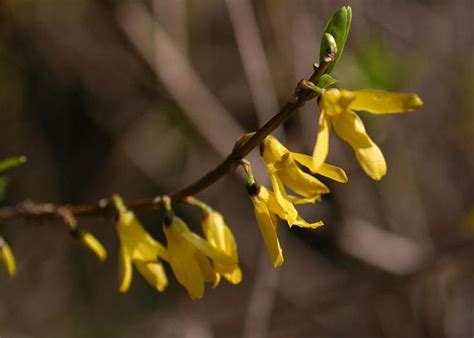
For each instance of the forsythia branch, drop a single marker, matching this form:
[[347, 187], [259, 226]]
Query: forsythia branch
[[243, 146]]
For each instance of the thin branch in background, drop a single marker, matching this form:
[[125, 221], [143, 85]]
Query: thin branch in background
[[173, 16], [409, 217], [262, 299], [383, 249], [252, 53], [182, 82], [302, 27]]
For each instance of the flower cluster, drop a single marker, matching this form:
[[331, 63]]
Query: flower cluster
[[284, 167], [337, 110], [196, 259], [193, 259]]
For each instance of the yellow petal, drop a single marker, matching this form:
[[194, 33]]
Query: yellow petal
[[276, 155], [204, 247], [8, 258], [273, 150], [154, 274], [333, 172], [287, 210], [274, 207], [280, 162], [206, 269], [230, 243], [296, 200], [234, 277], [304, 224], [136, 240], [350, 128], [297, 180], [321, 147], [125, 270], [271, 204], [219, 235], [327, 170], [382, 102], [183, 261], [200, 244], [93, 244], [216, 280], [213, 229], [267, 198], [268, 229], [225, 270], [334, 101]]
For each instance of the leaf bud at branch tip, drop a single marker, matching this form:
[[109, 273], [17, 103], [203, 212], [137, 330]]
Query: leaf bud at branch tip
[[332, 48], [335, 37]]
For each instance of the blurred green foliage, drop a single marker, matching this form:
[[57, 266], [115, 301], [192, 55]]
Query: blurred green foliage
[[7, 164], [381, 66], [338, 26]]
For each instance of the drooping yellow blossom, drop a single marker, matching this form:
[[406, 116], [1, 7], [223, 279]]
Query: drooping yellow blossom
[[138, 247], [337, 110], [267, 207], [91, 243], [189, 257], [219, 235], [7, 257], [283, 164]]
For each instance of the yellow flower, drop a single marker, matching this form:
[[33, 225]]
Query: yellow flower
[[219, 235], [7, 257], [91, 243], [139, 248], [337, 110], [189, 257], [267, 207], [283, 165]]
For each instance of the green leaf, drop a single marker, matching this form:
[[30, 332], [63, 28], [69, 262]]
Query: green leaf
[[11, 162], [338, 26], [326, 80]]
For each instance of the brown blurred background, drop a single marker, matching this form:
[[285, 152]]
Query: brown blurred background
[[142, 97]]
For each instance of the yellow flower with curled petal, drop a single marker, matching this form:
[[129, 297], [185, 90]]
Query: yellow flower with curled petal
[[139, 248], [89, 241], [267, 207], [219, 235], [7, 257], [284, 165], [189, 256], [337, 110]]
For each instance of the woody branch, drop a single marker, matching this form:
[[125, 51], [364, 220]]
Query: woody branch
[[29, 209]]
